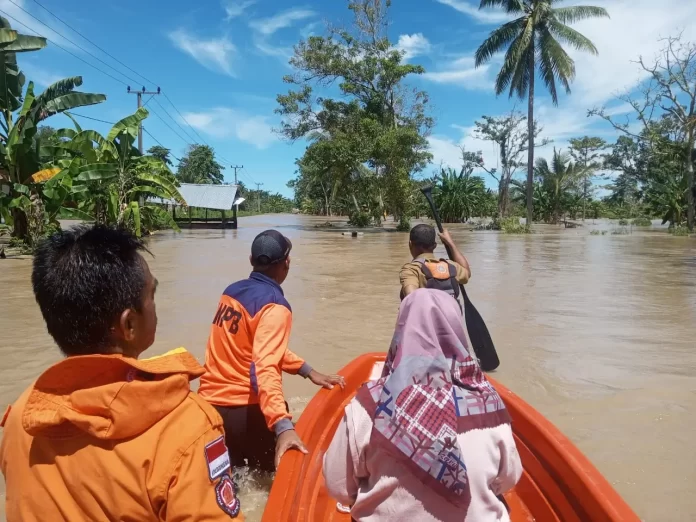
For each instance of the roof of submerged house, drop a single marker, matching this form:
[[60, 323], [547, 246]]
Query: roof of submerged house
[[217, 197]]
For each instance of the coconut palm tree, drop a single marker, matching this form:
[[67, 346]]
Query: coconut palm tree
[[534, 39]]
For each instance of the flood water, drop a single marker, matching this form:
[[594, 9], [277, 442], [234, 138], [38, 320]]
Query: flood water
[[597, 332]]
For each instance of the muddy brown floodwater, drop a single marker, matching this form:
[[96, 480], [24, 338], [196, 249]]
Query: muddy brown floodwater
[[597, 332]]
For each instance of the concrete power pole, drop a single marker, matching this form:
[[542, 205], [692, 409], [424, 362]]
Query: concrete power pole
[[140, 104], [258, 196], [234, 207], [141, 199]]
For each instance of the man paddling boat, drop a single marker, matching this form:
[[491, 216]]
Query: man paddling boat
[[427, 270], [246, 355]]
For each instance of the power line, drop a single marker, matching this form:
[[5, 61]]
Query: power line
[[248, 176], [107, 73], [160, 143], [73, 43], [63, 48], [185, 120], [89, 118], [90, 41], [177, 123], [170, 127], [111, 67]]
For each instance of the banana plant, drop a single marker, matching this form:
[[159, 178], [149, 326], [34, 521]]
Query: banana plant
[[116, 177]]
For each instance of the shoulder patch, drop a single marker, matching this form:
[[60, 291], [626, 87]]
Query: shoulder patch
[[226, 496], [5, 415], [217, 457]]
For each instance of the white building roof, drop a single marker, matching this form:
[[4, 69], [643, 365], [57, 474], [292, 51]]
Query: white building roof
[[217, 197]]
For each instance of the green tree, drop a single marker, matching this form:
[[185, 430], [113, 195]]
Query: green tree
[[509, 132], [162, 153], [669, 96], [199, 166], [557, 180], [377, 122], [586, 152], [459, 196], [533, 40]]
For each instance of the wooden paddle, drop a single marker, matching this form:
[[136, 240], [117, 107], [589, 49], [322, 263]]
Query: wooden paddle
[[481, 340]]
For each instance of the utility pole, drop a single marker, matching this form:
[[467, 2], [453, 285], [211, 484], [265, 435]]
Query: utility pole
[[140, 104], [234, 207], [258, 196], [141, 199]]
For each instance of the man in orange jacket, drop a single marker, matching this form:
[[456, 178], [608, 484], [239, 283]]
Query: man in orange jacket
[[246, 355], [102, 435]]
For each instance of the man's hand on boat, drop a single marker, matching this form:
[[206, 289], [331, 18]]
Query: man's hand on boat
[[326, 381], [286, 441]]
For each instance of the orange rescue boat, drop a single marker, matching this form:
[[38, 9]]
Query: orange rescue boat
[[558, 484]]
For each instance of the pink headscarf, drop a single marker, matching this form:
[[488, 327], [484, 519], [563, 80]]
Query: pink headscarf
[[431, 389]]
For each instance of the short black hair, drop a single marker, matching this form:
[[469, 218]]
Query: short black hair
[[83, 279], [423, 236]]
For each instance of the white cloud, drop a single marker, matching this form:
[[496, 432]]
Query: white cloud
[[464, 73], [635, 28], [268, 26], [413, 45], [483, 16], [235, 8], [215, 54], [223, 122], [267, 48]]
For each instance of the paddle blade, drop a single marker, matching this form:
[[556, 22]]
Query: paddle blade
[[480, 337]]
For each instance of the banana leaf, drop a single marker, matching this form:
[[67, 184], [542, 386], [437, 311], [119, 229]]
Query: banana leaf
[[149, 190], [59, 88], [74, 213], [162, 214], [7, 36], [67, 102], [96, 172], [165, 184], [21, 189], [128, 125], [45, 174], [24, 44], [77, 125]]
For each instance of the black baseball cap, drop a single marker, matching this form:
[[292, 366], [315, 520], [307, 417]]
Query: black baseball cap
[[270, 247]]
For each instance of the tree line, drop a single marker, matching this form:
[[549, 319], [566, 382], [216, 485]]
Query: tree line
[[367, 130]]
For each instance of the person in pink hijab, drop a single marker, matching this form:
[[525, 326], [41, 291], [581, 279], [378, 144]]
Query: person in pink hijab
[[430, 440]]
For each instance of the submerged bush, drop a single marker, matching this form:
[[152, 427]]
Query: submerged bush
[[623, 231], [679, 231], [360, 219], [404, 225], [623, 222], [642, 222], [512, 225]]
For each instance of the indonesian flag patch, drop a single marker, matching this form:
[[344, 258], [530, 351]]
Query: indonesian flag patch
[[217, 458], [226, 496]]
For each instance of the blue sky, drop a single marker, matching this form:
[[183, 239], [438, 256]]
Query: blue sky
[[221, 63]]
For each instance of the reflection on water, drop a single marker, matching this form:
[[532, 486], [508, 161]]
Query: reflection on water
[[597, 332]]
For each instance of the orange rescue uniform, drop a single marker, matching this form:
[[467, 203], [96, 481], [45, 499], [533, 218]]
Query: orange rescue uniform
[[105, 437], [248, 349]]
